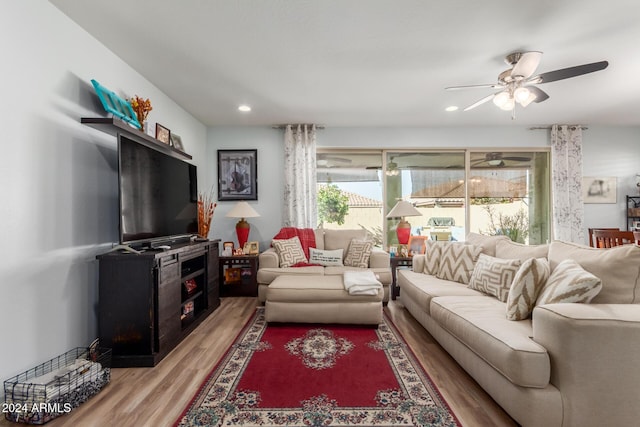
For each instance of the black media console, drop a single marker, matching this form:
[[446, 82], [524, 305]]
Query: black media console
[[149, 302]]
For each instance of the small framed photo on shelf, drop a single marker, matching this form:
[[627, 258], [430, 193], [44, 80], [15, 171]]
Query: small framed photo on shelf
[[163, 134], [635, 226], [417, 245], [403, 251], [227, 249], [251, 248], [176, 141]]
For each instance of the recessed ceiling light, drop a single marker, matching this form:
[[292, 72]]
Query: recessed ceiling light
[[451, 108], [244, 108]]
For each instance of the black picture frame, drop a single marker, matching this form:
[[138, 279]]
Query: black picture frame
[[163, 134], [237, 175]]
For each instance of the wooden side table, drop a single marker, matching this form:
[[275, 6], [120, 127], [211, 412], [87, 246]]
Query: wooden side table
[[396, 262], [238, 276]]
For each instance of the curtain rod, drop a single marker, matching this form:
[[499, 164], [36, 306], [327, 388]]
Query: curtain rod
[[297, 124], [549, 127]]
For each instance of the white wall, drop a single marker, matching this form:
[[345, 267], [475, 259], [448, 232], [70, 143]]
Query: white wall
[[609, 151], [59, 194], [269, 143]]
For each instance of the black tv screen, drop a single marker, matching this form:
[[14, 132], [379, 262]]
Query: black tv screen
[[158, 195]]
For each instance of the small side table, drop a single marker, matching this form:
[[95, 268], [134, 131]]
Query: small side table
[[238, 276], [396, 262]]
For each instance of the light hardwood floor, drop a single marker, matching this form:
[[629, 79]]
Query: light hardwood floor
[[157, 396]]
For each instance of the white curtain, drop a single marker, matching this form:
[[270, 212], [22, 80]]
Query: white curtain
[[566, 175], [300, 204]]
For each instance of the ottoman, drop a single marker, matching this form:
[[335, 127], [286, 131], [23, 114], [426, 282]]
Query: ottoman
[[320, 299]]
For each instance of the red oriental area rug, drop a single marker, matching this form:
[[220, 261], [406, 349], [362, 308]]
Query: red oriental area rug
[[318, 375]]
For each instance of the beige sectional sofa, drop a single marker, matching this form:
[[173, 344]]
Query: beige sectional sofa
[[269, 262], [570, 364]]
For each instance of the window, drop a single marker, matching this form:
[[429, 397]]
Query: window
[[509, 194], [350, 190], [456, 191]]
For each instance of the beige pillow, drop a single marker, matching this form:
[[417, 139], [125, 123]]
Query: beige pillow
[[457, 262], [569, 282], [526, 286], [358, 254], [618, 268], [494, 276], [488, 243], [289, 251], [432, 257], [512, 250]]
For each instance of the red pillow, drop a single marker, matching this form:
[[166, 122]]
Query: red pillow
[[306, 235]]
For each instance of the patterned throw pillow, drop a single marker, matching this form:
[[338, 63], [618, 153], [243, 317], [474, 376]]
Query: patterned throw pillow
[[289, 251], [457, 262], [326, 258], [494, 276], [432, 257], [569, 282], [526, 286], [358, 253]]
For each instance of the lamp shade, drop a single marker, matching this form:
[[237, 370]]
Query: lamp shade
[[402, 209], [403, 229], [242, 210]]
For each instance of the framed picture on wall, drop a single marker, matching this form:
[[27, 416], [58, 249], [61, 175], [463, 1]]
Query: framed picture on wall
[[599, 189], [237, 175]]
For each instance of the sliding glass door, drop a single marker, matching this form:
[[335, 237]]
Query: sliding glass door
[[509, 194], [455, 192]]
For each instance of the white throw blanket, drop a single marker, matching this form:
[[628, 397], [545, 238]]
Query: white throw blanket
[[361, 283]]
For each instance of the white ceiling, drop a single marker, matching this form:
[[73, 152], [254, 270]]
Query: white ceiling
[[372, 62]]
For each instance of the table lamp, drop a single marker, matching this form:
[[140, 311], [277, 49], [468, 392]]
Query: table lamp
[[401, 210], [242, 210]]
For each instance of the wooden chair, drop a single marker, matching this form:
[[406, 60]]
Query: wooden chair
[[611, 238], [592, 243]]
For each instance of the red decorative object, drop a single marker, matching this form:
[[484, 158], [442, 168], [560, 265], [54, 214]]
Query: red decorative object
[[403, 233], [242, 230]]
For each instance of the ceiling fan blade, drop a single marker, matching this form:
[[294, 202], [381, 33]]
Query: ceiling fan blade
[[527, 64], [566, 73], [517, 159], [539, 93], [491, 85], [480, 102]]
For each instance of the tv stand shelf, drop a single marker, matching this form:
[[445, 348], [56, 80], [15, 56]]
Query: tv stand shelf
[[145, 307], [114, 126]]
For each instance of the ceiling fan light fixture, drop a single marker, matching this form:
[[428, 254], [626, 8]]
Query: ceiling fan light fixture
[[532, 97], [501, 98], [509, 105], [521, 94]]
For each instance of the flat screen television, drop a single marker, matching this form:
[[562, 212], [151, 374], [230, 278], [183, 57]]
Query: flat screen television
[[158, 196]]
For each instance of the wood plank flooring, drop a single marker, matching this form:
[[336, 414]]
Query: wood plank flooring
[[157, 396]]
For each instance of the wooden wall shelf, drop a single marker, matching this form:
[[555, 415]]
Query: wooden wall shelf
[[114, 126]]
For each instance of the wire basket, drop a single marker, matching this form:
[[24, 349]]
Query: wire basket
[[57, 386]]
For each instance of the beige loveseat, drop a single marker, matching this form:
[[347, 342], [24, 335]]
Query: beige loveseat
[[269, 263], [570, 364]]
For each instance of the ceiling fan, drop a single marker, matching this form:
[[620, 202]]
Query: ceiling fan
[[497, 159], [516, 84]]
